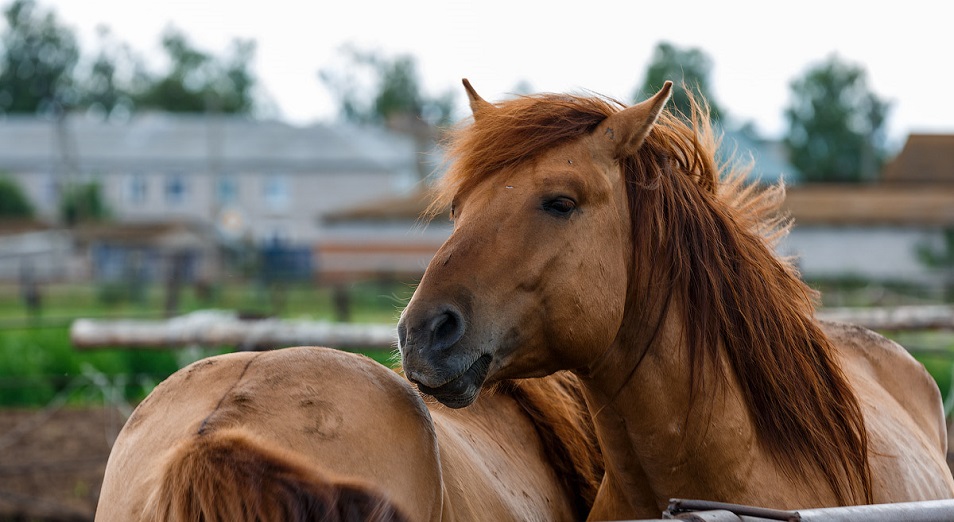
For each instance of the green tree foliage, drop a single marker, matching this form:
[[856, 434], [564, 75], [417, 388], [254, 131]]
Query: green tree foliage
[[83, 203], [13, 202], [111, 78], [37, 61], [836, 124], [197, 81], [372, 88], [39, 71], [688, 69], [939, 256]]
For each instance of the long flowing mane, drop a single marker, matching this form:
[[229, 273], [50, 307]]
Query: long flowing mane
[[703, 243]]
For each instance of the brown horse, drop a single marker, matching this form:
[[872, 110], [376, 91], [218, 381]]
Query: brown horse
[[319, 434], [608, 241]]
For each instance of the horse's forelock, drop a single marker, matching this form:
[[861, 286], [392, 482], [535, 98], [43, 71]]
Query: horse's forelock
[[517, 131]]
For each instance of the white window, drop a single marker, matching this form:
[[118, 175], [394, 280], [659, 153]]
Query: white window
[[137, 188], [51, 190], [176, 189], [277, 193], [227, 190]]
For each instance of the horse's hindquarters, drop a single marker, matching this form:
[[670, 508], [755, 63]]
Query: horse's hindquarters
[[341, 415]]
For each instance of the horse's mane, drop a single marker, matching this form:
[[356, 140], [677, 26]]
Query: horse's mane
[[704, 238], [559, 413]]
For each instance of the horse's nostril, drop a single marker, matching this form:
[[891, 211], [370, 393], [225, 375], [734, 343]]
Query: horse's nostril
[[402, 334], [448, 328]]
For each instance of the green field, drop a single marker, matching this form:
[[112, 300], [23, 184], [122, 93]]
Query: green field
[[38, 365]]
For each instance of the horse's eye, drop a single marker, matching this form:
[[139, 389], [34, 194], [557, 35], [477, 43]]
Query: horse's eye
[[560, 206]]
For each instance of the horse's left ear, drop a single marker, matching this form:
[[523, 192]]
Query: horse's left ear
[[478, 105], [624, 132]]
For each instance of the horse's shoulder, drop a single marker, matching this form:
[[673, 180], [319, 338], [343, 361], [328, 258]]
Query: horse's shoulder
[[876, 365]]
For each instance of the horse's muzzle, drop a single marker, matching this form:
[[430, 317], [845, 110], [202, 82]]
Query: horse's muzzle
[[429, 341]]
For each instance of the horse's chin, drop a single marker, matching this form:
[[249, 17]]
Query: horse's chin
[[463, 390]]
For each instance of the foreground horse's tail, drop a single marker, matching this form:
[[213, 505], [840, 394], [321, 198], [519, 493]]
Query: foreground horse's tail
[[227, 476]]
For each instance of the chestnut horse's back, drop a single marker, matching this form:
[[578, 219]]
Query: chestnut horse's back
[[283, 435]]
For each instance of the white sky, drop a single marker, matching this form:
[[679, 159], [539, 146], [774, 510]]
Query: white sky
[[757, 47]]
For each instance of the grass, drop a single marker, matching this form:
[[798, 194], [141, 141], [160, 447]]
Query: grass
[[38, 364]]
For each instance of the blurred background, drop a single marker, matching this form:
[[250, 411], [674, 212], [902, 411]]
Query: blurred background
[[227, 168]]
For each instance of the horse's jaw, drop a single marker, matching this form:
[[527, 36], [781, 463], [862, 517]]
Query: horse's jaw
[[461, 390]]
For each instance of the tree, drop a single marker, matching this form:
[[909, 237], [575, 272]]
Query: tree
[[686, 68], [83, 203], [37, 61], [13, 202], [939, 256], [111, 79], [376, 89], [199, 82], [836, 124]]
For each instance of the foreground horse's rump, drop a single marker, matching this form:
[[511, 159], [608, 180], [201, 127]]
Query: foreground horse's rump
[[318, 434], [609, 241]]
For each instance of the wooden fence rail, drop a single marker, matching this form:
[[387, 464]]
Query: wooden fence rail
[[922, 317], [209, 328]]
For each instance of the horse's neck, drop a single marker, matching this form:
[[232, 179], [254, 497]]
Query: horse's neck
[[658, 441]]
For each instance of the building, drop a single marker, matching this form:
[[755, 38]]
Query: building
[[31, 250], [388, 238], [262, 180], [879, 231]]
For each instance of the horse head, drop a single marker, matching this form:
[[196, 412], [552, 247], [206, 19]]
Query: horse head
[[533, 278]]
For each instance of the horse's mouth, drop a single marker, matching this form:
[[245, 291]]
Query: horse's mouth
[[462, 390]]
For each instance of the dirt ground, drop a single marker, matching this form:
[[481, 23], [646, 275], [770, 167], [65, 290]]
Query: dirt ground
[[52, 462]]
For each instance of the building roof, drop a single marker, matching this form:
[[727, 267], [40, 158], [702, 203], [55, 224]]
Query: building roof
[[406, 208], [22, 225], [925, 158], [882, 204], [169, 233], [916, 189], [196, 142]]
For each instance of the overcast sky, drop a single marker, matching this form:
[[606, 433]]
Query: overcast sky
[[757, 47]]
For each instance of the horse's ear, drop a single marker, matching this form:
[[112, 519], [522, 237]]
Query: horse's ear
[[624, 132], [478, 105]]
